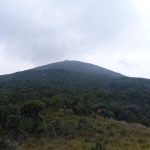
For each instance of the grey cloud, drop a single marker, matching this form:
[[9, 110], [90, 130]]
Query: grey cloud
[[127, 63], [41, 31]]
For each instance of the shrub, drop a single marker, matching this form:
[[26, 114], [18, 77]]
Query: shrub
[[6, 144], [57, 102], [33, 109], [5, 113], [33, 112], [14, 122], [99, 145]]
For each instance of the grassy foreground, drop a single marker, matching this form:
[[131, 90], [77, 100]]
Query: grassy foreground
[[88, 133]]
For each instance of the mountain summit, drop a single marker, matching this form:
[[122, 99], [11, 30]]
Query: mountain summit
[[78, 66]]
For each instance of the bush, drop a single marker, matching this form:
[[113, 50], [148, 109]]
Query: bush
[[6, 144], [33, 109], [57, 102], [5, 113], [100, 145], [80, 109], [33, 112], [14, 122]]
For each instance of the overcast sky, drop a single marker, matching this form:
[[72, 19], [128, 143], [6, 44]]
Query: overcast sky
[[114, 34]]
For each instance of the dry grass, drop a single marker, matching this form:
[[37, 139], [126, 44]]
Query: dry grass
[[119, 135]]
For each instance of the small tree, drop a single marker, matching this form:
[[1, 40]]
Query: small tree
[[14, 122], [57, 102], [5, 113], [34, 111]]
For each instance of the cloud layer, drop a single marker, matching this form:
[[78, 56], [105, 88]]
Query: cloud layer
[[113, 34]]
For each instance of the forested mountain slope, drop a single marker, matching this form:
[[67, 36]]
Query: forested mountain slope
[[77, 84], [72, 105]]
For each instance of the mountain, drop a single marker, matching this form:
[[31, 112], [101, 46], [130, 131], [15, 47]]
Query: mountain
[[80, 83], [81, 67], [63, 106]]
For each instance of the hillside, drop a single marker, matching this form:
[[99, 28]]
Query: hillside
[[89, 133], [80, 83], [73, 105], [62, 130]]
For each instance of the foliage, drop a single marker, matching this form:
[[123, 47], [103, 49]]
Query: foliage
[[56, 102], [69, 107], [83, 93], [14, 122], [6, 112], [100, 145], [33, 109], [6, 144]]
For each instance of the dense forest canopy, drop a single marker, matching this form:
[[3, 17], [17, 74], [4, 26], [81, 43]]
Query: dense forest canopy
[[82, 85]]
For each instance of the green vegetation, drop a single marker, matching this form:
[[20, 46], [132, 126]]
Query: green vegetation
[[124, 98], [70, 110], [61, 129]]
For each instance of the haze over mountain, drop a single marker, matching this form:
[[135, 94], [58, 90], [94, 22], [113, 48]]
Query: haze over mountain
[[78, 66]]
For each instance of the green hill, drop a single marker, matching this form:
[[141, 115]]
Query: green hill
[[76, 82], [73, 105]]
